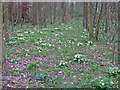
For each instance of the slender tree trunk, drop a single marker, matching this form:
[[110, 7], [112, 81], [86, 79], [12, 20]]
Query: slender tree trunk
[[72, 9], [59, 13], [106, 27], [6, 23], [40, 15], [51, 13], [113, 55], [10, 11], [86, 11], [45, 23], [54, 12], [12, 14], [1, 44], [3, 66], [90, 22], [34, 13], [19, 13], [94, 20], [84, 5], [1, 37], [63, 12], [99, 22]]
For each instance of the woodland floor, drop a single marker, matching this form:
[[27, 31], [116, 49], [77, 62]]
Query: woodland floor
[[34, 56]]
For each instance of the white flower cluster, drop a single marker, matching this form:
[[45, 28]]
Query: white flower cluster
[[79, 44], [102, 82], [79, 55], [20, 35], [62, 63], [89, 43], [26, 32]]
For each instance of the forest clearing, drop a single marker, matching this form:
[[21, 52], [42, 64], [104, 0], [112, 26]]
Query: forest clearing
[[59, 45]]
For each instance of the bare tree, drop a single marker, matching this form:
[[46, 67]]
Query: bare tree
[[54, 12], [45, 14], [19, 13], [99, 22], [95, 14], [86, 14], [63, 11], [34, 10], [6, 22], [40, 14], [2, 51], [71, 9], [90, 21]]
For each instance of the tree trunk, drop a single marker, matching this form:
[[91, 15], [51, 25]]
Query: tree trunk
[[6, 23], [45, 23], [106, 27], [94, 20], [3, 66], [63, 12], [86, 11], [19, 13], [71, 9], [34, 8], [90, 22], [1, 44], [99, 22], [54, 12], [12, 14], [40, 15], [84, 14], [50, 13]]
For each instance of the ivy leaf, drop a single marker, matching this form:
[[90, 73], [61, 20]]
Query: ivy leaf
[[37, 77], [43, 77]]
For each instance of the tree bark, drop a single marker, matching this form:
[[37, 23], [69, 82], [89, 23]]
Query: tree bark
[[71, 9], [86, 11], [6, 23], [45, 23], [34, 8], [99, 22], [90, 22], [94, 20], [1, 44], [63, 12], [106, 27], [19, 13], [50, 13], [40, 15], [3, 66], [84, 14], [54, 12]]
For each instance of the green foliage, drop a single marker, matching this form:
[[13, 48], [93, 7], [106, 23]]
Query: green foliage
[[58, 29], [94, 67], [52, 82], [79, 58], [60, 43], [15, 61], [7, 56], [52, 30], [33, 65], [103, 83], [11, 43], [16, 73], [113, 71]]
